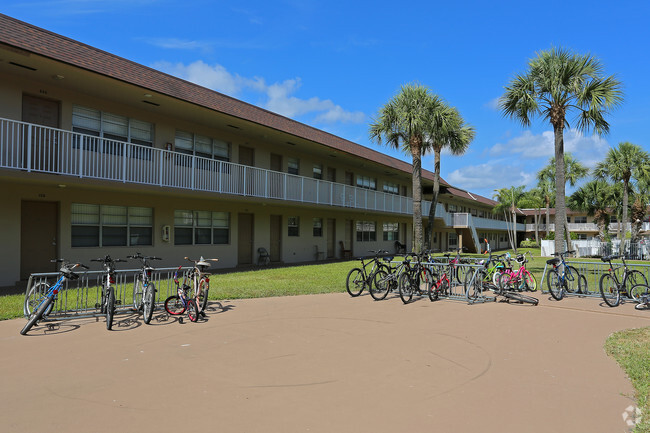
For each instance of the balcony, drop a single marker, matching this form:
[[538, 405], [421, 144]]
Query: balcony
[[34, 148]]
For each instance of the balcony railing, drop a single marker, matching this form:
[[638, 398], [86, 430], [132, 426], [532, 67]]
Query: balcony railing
[[462, 219], [35, 148]]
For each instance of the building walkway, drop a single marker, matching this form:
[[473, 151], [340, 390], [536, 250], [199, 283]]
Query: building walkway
[[324, 363]]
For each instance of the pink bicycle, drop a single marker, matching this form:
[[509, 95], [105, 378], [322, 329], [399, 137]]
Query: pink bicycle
[[521, 279]]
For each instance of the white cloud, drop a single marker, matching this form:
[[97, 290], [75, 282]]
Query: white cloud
[[277, 97], [493, 104], [485, 178]]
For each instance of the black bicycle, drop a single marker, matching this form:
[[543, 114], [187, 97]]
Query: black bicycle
[[416, 279], [107, 301], [567, 280], [362, 277], [144, 290], [611, 286]]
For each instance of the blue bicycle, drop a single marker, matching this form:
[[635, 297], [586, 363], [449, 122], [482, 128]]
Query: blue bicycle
[[560, 282], [40, 298]]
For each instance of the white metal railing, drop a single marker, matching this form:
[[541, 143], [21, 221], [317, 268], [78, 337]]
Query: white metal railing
[[30, 147]]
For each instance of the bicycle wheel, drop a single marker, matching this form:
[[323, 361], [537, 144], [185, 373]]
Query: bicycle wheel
[[110, 308], [554, 285], [474, 283], [530, 282], [639, 291], [460, 273], [355, 282], [34, 297], [174, 305], [520, 297], [138, 292], [149, 303], [405, 289], [37, 315], [506, 282], [192, 310], [204, 289], [425, 281], [495, 277], [609, 290], [634, 278], [583, 286], [572, 279], [381, 285]]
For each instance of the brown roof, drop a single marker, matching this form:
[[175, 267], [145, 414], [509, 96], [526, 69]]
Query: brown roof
[[60, 48]]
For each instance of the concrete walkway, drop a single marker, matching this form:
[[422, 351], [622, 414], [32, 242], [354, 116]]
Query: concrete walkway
[[324, 363]]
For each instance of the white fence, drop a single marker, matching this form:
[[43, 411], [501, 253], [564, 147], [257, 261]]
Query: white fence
[[595, 248]]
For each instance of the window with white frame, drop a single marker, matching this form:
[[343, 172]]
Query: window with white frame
[[201, 227], [110, 226], [580, 219], [366, 182], [293, 226], [202, 146], [390, 231], [366, 231], [111, 126], [293, 165], [391, 188], [318, 227]]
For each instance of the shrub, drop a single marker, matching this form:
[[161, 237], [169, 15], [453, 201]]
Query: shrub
[[528, 244]]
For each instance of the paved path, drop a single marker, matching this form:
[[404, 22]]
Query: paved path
[[324, 363]]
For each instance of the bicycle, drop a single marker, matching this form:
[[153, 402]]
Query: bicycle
[[481, 284], [107, 303], [40, 298], [611, 287], [385, 279], [560, 283], [359, 278], [144, 290], [415, 279], [177, 304], [520, 279], [200, 282], [441, 282]]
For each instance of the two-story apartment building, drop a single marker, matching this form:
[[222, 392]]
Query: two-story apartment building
[[100, 155]]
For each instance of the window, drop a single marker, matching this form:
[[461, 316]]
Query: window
[[474, 212], [391, 231], [293, 224], [366, 182], [452, 208], [293, 166], [580, 220], [318, 227], [318, 171], [453, 240], [201, 227], [110, 126], [366, 231], [391, 188], [202, 146], [110, 226]]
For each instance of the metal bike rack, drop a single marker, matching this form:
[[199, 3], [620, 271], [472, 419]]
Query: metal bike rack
[[81, 297]]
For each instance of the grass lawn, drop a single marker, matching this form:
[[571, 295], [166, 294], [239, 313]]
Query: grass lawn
[[629, 348]]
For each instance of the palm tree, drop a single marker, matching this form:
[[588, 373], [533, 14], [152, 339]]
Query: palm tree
[[574, 171], [509, 199], [558, 82], [624, 164], [595, 198], [405, 123], [450, 131]]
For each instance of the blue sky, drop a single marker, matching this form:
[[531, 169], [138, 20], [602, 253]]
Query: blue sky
[[333, 64]]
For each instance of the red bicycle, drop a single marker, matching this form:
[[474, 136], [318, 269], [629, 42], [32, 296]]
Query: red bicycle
[[181, 302]]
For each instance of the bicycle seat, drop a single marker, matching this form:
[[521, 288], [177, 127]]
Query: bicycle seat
[[553, 262], [388, 258]]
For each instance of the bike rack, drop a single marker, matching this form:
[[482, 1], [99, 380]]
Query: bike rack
[[81, 297]]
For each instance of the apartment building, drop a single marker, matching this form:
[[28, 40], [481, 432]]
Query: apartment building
[[100, 155]]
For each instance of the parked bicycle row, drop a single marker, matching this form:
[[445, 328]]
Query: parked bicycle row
[[438, 277], [191, 294]]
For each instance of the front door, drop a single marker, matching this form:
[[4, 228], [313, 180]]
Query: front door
[[245, 239], [39, 224], [44, 150], [276, 238], [331, 238]]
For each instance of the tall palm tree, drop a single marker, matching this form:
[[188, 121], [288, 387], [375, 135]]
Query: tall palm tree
[[624, 164], [574, 171], [595, 198], [509, 199], [404, 123], [449, 131], [558, 82]]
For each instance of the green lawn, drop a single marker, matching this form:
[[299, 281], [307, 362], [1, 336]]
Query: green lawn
[[629, 348]]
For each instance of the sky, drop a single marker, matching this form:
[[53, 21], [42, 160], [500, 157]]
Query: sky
[[333, 64]]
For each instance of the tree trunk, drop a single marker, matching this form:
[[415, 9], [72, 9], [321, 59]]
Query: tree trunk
[[436, 192], [418, 238], [537, 226], [548, 215], [623, 223], [560, 181]]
